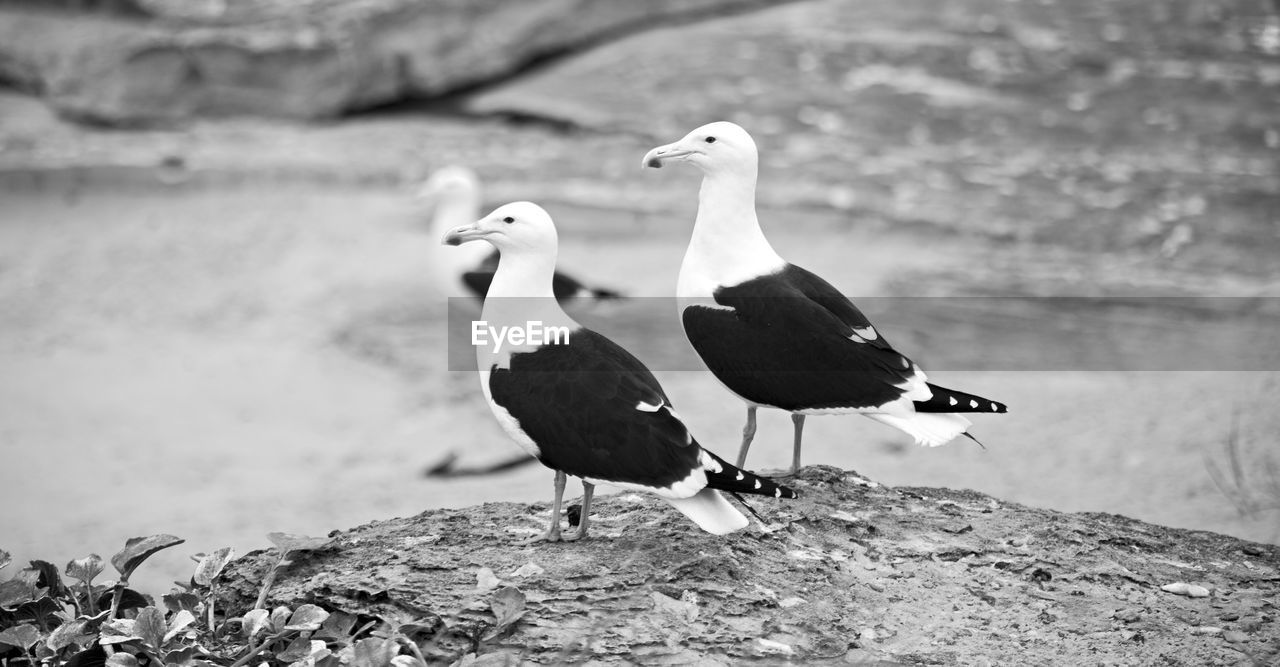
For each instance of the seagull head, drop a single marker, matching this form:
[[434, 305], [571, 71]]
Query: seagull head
[[714, 148], [451, 183], [516, 228]]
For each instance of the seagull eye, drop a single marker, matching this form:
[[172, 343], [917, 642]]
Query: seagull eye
[[508, 219], [711, 140]]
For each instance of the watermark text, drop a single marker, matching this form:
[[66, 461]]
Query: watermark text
[[533, 332]]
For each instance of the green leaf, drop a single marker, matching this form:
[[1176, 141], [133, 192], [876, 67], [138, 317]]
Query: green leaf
[[75, 632], [178, 623], [176, 602], [211, 566], [119, 631], [93, 656], [307, 617], [507, 605], [138, 549], [254, 621], [302, 648], [337, 627], [183, 656], [43, 612], [279, 616], [286, 542], [129, 599], [150, 626], [85, 569], [23, 636], [48, 577], [121, 660], [374, 652], [21, 588]]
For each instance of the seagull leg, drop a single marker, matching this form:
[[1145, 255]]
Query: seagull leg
[[798, 420], [553, 530], [587, 490], [748, 434]]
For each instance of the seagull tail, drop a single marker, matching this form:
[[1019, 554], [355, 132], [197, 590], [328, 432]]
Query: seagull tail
[[725, 476], [950, 400], [930, 429], [711, 512]]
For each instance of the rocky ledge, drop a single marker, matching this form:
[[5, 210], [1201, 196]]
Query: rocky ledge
[[852, 571]]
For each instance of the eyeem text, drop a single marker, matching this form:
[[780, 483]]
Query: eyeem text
[[533, 332]]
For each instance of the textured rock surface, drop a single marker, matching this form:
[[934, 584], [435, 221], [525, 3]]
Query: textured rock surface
[[302, 60], [853, 570]]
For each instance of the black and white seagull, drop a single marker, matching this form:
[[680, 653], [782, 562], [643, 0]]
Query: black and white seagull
[[454, 193], [575, 400], [777, 335]]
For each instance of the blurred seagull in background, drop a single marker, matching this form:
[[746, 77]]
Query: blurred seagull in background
[[779, 336], [579, 403], [454, 192]]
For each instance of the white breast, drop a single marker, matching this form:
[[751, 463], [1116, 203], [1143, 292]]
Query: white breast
[[508, 422]]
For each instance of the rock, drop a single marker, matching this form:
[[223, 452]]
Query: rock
[[770, 647], [660, 588], [1189, 590], [317, 60], [1235, 636], [1128, 615]]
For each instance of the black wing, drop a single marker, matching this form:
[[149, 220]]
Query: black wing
[[595, 411], [789, 342]]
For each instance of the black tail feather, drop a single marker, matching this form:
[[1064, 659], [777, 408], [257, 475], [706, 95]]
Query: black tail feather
[[970, 436], [747, 505], [950, 400], [736, 480]]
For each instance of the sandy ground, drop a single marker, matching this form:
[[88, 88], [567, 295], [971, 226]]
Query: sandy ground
[[219, 363]]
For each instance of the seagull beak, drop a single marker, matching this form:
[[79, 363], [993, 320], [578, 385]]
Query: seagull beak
[[463, 233], [657, 156]]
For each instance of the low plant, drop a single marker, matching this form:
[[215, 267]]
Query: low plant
[[45, 620]]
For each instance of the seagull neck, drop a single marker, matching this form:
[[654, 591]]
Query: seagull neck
[[524, 275], [727, 230], [520, 298]]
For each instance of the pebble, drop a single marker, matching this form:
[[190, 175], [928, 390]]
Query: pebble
[[876, 586], [486, 580], [1189, 590], [1206, 630], [770, 647], [1235, 636], [1127, 615], [528, 570]]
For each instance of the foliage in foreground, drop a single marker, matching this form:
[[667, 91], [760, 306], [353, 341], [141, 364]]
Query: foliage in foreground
[[65, 619]]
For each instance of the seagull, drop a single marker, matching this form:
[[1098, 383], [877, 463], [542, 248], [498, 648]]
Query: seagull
[[779, 336], [454, 192], [578, 402]]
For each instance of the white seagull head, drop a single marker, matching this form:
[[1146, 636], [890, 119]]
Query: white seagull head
[[451, 183], [516, 228], [719, 147]]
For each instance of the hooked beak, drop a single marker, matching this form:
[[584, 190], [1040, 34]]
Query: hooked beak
[[463, 233], [657, 156]]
